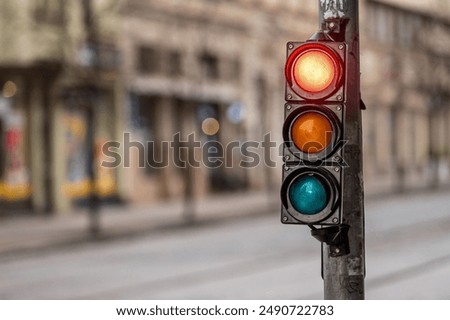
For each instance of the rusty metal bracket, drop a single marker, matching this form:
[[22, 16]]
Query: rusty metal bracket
[[336, 237]]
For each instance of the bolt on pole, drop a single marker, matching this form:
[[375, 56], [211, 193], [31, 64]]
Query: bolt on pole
[[344, 275]]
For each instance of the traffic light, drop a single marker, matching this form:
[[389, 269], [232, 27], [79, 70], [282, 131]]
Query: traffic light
[[313, 129]]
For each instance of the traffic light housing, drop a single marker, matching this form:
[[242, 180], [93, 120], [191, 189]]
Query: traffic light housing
[[313, 130], [315, 71]]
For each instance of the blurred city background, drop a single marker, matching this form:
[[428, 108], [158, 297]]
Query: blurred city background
[[76, 74]]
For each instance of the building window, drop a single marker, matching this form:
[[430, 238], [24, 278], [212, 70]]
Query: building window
[[147, 112], [174, 63], [234, 69], [49, 11], [381, 25], [237, 67], [148, 60], [209, 66]]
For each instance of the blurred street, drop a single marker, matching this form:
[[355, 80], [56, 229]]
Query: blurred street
[[248, 257]]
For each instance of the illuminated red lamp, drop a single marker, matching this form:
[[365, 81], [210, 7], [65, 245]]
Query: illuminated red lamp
[[314, 71]]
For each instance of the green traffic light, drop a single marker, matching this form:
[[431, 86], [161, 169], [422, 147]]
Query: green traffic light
[[308, 195]]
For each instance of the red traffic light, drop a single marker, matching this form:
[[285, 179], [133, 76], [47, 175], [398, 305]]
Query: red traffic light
[[314, 71]]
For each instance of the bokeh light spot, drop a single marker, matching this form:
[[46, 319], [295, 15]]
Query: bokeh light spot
[[210, 126], [9, 89]]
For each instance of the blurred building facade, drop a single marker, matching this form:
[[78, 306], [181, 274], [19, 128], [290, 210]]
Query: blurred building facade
[[217, 54], [186, 62], [209, 68], [406, 83], [57, 101]]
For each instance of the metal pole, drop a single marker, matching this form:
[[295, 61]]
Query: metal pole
[[94, 203], [189, 198], [344, 275]]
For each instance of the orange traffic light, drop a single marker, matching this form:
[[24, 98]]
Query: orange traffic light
[[311, 132]]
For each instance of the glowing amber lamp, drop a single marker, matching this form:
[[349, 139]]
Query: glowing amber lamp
[[312, 132], [314, 71]]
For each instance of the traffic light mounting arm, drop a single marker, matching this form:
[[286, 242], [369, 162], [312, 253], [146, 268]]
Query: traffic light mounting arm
[[336, 237]]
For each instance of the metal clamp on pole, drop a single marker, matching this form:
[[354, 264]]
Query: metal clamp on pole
[[335, 237], [336, 27]]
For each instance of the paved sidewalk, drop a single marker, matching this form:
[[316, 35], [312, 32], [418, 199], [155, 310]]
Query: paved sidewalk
[[27, 234]]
